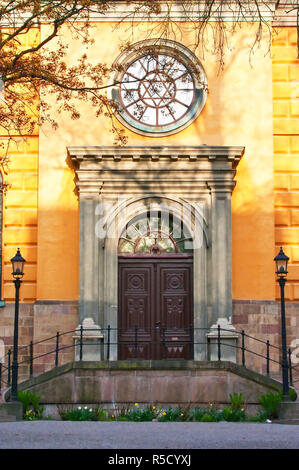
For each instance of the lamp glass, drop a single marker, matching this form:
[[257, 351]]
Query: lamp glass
[[17, 265], [281, 263]]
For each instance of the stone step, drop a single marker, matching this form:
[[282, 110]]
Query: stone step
[[11, 412]]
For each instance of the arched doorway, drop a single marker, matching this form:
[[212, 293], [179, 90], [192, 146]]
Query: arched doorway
[[155, 289]]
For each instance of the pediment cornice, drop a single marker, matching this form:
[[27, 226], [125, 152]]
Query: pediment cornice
[[201, 153]]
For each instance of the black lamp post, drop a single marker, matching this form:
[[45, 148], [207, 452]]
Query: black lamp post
[[17, 272], [281, 270]]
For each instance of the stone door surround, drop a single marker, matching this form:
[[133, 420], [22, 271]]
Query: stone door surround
[[128, 181]]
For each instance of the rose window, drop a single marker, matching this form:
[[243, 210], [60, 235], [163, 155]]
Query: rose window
[[159, 93], [157, 90]]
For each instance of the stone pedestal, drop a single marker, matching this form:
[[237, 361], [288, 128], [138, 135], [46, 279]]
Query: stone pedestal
[[228, 341], [11, 411], [92, 341]]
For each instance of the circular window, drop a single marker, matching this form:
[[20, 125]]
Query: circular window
[[161, 88]]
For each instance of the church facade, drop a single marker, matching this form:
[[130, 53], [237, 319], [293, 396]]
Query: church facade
[[174, 232]]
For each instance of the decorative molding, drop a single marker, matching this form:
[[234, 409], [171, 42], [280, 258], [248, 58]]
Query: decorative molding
[[286, 14], [180, 11], [179, 170], [122, 11], [87, 154]]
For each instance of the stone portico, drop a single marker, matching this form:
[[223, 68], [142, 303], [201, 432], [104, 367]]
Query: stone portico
[[115, 184]]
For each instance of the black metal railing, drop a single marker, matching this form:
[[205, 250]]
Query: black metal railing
[[111, 338]]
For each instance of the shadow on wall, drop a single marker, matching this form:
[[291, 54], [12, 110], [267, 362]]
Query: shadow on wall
[[237, 101]]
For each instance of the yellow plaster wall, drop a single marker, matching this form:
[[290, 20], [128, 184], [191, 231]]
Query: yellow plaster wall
[[20, 216], [286, 152], [20, 202], [238, 112]]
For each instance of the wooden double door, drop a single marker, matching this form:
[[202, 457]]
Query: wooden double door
[[155, 308]]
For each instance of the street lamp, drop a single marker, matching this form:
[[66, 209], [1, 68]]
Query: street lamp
[[281, 270], [17, 272]]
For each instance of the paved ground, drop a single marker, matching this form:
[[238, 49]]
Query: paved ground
[[114, 435]]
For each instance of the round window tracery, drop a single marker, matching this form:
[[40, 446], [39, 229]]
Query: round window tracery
[[160, 90], [154, 235]]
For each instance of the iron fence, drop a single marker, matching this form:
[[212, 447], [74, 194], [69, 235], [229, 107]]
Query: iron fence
[[110, 338]]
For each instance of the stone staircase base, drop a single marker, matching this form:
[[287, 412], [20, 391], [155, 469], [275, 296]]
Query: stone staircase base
[[11, 411], [288, 412]]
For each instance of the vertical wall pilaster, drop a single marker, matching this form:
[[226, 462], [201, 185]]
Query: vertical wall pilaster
[[88, 259], [221, 256]]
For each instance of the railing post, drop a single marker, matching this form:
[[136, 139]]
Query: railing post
[[57, 349], [136, 342], [163, 343], [31, 358], [219, 343], [268, 357], [243, 348], [9, 367], [0, 375], [15, 365], [290, 366], [81, 343], [108, 342]]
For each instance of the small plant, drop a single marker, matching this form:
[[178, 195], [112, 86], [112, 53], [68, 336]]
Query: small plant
[[208, 418], [31, 405], [101, 414], [83, 414], [261, 417], [292, 394], [119, 413], [206, 414], [236, 401], [198, 413], [232, 415], [143, 414], [269, 403], [173, 414]]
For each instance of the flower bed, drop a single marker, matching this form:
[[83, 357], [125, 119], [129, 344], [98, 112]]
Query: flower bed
[[235, 412]]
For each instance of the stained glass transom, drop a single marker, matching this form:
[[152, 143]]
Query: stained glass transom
[[148, 234]]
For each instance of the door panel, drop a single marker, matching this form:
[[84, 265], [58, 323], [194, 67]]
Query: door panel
[[175, 309], [155, 296], [136, 311]]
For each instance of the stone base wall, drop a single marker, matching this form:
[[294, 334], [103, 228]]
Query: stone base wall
[[26, 326], [261, 320], [42, 320], [37, 322], [50, 318], [146, 382]]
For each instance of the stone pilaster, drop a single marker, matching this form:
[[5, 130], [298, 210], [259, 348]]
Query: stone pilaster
[[88, 254], [221, 250]]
